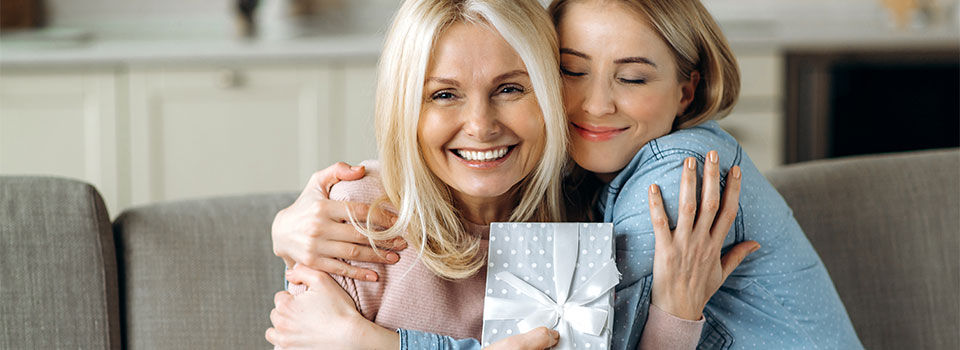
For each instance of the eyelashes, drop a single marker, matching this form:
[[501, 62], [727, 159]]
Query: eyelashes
[[508, 90], [631, 81]]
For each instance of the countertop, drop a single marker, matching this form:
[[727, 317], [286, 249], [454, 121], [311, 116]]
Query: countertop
[[59, 47]]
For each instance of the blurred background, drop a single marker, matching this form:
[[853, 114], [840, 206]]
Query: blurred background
[[167, 100]]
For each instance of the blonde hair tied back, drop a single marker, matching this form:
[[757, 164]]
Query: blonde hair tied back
[[698, 45]]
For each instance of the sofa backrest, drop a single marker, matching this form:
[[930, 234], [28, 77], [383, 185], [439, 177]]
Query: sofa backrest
[[888, 230], [58, 280], [199, 274]]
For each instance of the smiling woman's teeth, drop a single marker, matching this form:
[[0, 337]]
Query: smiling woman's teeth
[[482, 156]]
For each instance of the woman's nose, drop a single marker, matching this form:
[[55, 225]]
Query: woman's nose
[[482, 122], [598, 99]]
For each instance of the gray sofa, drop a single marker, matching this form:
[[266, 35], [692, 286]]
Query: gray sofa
[[201, 274]]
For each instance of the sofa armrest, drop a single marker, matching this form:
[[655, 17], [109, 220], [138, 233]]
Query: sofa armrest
[[888, 230], [58, 267]]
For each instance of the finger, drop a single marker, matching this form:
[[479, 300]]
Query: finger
[[728, 208], [337, 267], [658, 217], [282, 297], [377, 217], [539, 338], [710, 195], [356, 252], [688, 197], [324, 179], [735, 256], [342, 212], [271, 336], [313, 279]]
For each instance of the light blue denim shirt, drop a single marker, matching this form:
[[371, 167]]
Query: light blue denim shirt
[[780, 297]]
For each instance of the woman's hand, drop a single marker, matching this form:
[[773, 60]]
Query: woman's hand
[[539, 338], [687, 266], [315, 231], [323, 317]]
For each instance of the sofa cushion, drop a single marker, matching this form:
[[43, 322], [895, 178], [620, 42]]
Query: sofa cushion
[[887, 228], [58, 281], [199, 274]]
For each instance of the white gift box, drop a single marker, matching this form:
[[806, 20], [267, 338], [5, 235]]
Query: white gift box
[[557, 275]]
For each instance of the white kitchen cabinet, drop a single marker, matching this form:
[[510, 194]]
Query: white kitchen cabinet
[[62, 124], [220, 131], [358, 96], [156, 133], [757, 120]]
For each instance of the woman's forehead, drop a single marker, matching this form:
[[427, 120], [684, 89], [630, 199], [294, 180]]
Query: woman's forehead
[[474, 50]]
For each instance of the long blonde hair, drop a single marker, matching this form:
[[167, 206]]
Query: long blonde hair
[[427, 217], [697, 44]]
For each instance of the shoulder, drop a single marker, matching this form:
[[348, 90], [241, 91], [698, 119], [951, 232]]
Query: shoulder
[[663, 156], [697, 140], [365, 190]]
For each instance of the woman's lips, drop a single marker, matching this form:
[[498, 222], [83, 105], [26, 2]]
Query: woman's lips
[[597, 133], [484, 164]]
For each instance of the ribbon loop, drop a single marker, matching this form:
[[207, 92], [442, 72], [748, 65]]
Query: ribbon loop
[[572, 310]]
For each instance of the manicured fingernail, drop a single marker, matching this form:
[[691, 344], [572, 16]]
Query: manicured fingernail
[[371, 277], [736, 172], [690, 163], [555, 334], [755, 248], [393, 257], [653, 189], [713, 156]]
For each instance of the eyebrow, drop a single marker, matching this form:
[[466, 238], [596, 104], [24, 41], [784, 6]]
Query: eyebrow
[[501, 77], [634, 59]]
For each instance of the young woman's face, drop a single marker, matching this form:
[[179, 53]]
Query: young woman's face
[[481, 130], [620, 84]]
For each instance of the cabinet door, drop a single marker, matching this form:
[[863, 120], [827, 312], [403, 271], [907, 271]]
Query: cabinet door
[[61, 124], [210, 132], [757, 119], [358, 141]]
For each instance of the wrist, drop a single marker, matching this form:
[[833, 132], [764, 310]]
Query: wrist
[[374, 336], [679, 311]]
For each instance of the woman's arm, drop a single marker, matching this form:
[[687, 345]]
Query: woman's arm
[[315, 231], [325, 317], [688, 268]]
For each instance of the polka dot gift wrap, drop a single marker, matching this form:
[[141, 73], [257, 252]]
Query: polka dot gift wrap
[[557, 275]]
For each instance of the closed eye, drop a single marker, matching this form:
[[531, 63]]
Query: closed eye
[[571, 73], [633, 81]]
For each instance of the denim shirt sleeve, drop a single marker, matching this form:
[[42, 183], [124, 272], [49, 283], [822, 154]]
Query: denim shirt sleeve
[[626, 206], [417, 340]]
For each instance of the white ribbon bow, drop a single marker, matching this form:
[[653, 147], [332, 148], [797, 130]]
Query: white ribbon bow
[[569, 310]]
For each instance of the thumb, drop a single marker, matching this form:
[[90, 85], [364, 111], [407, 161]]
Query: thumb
[[539, 338], [326, 178], [735, 256], [311, 278]]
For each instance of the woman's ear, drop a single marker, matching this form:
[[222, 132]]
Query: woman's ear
[[688, 89]]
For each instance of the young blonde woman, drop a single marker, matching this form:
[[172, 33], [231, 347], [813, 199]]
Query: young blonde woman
[[470, 132], [643, 82]]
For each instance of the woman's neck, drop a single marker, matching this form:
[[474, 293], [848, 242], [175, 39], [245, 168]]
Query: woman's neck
[[484, 210]]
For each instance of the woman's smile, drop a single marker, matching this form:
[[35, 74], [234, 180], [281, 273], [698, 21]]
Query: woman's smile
[[596, 133], [487, 158]]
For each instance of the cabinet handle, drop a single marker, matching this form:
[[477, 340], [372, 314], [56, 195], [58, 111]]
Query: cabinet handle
[[231, 79]]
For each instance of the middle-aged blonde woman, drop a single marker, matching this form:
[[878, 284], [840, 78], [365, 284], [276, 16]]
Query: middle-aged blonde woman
[[470, 131]]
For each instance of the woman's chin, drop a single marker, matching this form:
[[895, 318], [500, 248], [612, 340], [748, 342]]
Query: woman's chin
[[598, 162]]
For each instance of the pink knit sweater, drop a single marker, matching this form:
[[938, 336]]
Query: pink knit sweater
[[408, 295]]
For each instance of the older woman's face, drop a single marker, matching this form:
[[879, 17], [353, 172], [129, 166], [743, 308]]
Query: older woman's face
[[481, 130], [620, 84]]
